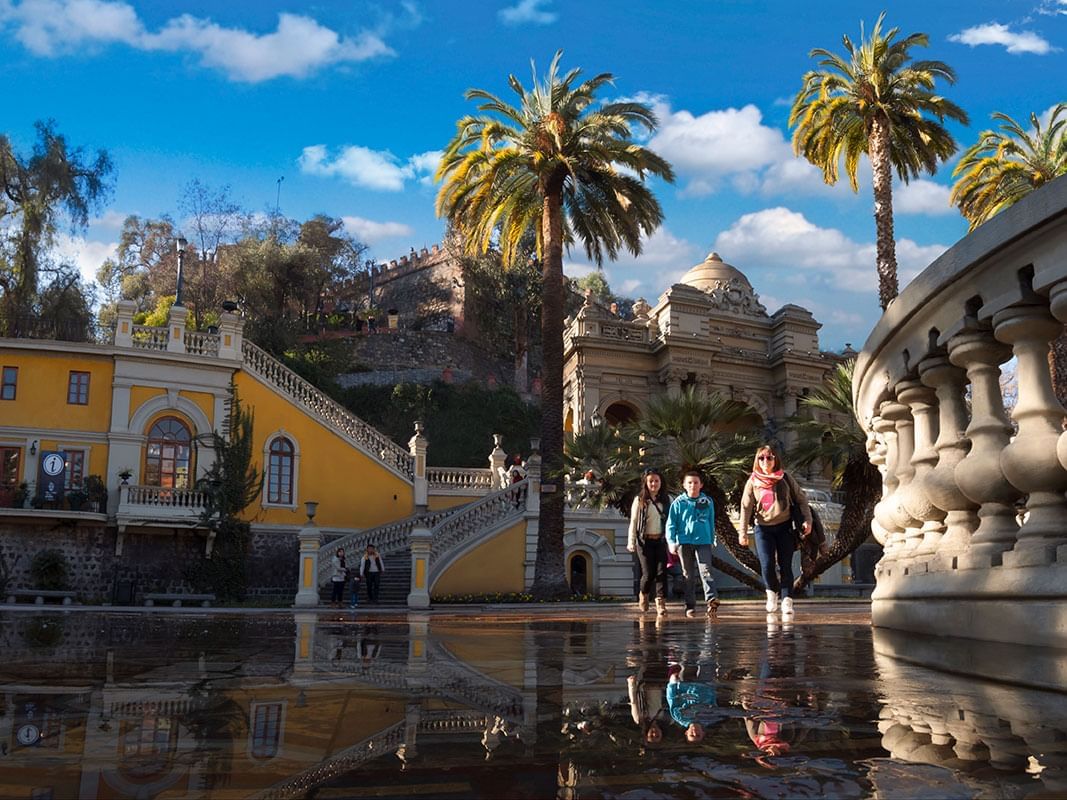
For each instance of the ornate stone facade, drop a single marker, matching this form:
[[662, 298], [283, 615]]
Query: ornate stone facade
[[709, 330]]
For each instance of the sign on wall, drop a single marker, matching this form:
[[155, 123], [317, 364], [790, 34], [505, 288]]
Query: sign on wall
[[51, 476]]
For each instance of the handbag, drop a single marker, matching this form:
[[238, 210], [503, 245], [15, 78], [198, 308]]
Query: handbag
[[796, 515]]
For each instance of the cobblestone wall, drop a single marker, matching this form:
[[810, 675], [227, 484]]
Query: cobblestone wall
[[155, 562], [421, 357]]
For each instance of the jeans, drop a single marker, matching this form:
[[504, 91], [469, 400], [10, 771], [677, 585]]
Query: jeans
[[652, 556], [374, 580], [775, 545], [696, 562], [337, 591], [355, 593]]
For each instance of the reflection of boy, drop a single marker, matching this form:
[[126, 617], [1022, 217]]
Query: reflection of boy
[[686, 700]]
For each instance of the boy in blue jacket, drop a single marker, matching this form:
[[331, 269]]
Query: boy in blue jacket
[[690, 534]]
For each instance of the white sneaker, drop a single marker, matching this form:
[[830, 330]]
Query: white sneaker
[[787, 607], [772, 601]]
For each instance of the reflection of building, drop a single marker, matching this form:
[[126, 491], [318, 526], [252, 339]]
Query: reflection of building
[[709, 331]]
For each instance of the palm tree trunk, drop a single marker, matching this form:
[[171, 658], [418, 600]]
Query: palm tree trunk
[[882, 182], [549, 574]]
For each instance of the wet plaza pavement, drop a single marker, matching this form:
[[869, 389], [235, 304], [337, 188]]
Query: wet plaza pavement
[[565, 703]]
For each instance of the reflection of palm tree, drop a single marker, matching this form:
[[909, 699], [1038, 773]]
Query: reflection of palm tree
[[838, 440], [561, 164], [876, 102]]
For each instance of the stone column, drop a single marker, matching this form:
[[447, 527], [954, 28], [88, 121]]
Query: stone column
[[497, 459], [978, 474], [883, 511], [922, 401], [673, 380], [951, 446], [1029, 461], [419, 596], [124, 323], [231, 335], [417, 446], [307, 595], [900, 415], [176, 329], [532, 516]]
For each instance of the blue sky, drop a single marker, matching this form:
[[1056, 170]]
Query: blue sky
[[350, 101]]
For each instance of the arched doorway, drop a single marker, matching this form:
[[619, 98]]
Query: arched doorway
[[620, 414], [168, 458], [578, 571]]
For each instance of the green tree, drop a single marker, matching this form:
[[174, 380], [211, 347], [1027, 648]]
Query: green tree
[[229, 486], [881, 103], [1005, 165], [54, 181], [596, 284], [833, 436], [562, 165]]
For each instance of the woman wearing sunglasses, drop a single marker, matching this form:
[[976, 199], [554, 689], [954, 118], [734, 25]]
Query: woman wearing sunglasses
[[767, 499], [648, 517]]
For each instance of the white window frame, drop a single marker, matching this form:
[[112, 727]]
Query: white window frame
[[266, 470]]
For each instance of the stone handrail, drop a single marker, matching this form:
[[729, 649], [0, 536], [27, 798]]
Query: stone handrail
[[146, 337], [955, 464], [202, 344], [622, 331], [164, 496], [387, 539], [476, 518], [460, 478], [329, 411]]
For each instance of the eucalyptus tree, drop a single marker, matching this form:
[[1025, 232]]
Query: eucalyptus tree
[[876, 101], [1005, 165], [566, 166]]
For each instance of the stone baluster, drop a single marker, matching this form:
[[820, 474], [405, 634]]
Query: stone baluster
[[900, 415], [883, 511], [876, 452], [978, 474], [1058, 305], [917, 500], [497, 459], [949, 383], [1030, 461]]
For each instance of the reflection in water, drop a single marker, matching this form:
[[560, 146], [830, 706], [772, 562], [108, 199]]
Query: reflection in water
[[275, 706]]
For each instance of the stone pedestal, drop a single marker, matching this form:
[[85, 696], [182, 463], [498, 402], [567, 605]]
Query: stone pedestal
[[419, 595], [307, 595]]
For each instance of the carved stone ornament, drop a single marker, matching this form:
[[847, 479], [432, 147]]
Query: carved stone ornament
[[734, 296]]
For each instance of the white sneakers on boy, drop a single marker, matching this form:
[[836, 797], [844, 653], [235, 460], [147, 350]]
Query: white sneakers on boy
[[772, 601], [787, 607]]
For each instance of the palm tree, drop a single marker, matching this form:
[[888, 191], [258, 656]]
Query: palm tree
[[838, 439], [562, 165], [876, 102], [1004, 166]]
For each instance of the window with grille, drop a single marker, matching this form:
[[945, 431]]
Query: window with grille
[[168, 459], [8, 383], [78, 388], [280, 472]]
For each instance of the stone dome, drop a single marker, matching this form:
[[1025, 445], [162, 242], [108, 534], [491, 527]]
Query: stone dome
[[707, 274]]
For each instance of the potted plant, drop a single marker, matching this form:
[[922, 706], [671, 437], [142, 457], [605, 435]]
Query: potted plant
[[96, 490], [76, 498], [22, 494]]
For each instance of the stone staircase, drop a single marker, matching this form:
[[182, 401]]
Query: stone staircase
[[396, 581], [370, 441]]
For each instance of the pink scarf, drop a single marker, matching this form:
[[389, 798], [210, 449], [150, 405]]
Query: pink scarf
[[765, 485]]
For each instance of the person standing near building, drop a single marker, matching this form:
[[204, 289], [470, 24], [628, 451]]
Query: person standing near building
[[338, 577], [371, 568], [648, 515], [691, 534], [767, 499]]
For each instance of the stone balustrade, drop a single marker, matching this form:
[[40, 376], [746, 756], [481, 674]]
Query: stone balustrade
[[973, 516], [459, 480]]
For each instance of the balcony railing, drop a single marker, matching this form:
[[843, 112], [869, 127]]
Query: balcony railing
[[148, 338], [459, 479]]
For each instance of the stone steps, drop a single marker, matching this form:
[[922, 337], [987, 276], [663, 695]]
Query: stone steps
[[396, 583]]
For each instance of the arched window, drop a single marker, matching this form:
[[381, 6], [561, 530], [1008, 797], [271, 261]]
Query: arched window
[[280, 471], [168, 461]]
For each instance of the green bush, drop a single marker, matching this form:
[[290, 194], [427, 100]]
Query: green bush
[[49, 570]]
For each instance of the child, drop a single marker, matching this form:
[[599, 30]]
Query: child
[[690, 534]]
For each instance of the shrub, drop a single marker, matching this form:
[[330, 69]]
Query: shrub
[[49, 570]]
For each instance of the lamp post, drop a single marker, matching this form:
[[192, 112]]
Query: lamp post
[[180, 244]]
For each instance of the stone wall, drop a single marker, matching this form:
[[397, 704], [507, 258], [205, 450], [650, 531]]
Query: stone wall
[[156, 562], [421, 357]]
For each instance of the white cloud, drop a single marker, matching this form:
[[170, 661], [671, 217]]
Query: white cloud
[[729, 146], [996, 33], [86, 255], [782, 239], [371, 169], [528, 12], [664, 259], [371, 232], [110, 220], [296, 48], [923, 196]]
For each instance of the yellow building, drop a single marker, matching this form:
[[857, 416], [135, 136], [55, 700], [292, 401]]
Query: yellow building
[[139, 413]]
